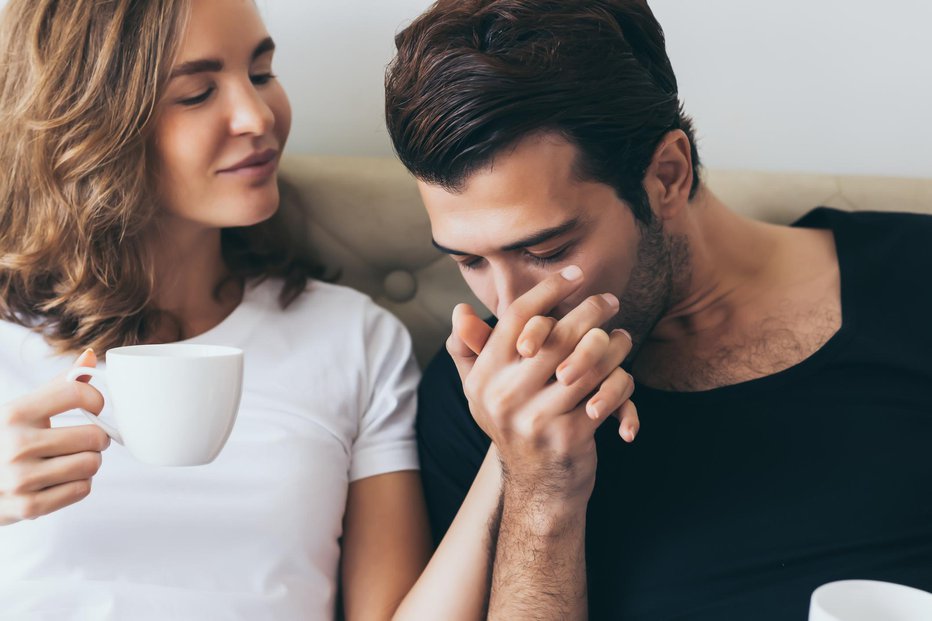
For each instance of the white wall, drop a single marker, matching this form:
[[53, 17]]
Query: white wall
[[811, 85], [814, 85]]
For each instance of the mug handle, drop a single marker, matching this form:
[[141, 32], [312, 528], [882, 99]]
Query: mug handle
[[73, 375]]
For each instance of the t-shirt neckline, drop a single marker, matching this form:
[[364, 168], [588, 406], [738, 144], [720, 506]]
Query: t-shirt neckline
[[818, 218], [234, 327]]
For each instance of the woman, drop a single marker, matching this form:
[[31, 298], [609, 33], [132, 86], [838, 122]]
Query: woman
[[140, 142]]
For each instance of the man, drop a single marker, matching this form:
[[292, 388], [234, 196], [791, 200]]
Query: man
[[784, 380]]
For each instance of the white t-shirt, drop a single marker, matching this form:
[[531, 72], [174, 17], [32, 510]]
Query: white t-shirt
[[329, 398]]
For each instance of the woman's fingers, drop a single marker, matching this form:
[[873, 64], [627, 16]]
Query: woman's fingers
[[29, 443], [37, 475], [590, 350], [44, 469], [30, 506], [595, 358], [58, 396], [592, 373], [612, 394], [628, 422], [535, 333]]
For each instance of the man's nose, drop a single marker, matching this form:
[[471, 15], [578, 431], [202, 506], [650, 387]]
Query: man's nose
[[509, 286]]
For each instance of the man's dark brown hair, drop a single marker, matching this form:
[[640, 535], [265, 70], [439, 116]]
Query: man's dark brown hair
[[473, 77]]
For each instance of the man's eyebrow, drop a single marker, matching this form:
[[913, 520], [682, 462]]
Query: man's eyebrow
[[531, 240], [213, 65]]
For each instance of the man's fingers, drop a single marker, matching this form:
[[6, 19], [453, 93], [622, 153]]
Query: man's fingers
[[54, 398], [466, 339], [534, 335], [540, 300], [470, 328]]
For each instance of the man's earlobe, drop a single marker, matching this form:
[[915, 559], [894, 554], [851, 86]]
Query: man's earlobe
[[670, 174]]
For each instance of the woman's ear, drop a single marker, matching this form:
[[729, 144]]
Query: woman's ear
[[669, 176]]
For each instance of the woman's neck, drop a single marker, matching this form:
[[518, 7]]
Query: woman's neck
[[189, 269]]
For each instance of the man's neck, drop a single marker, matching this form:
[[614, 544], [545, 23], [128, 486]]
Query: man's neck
[[730, 257], [759, 299]]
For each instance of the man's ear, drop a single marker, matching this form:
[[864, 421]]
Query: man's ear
[[669, 176]]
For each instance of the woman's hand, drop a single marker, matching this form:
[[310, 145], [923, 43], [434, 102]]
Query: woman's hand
[[44, 469]]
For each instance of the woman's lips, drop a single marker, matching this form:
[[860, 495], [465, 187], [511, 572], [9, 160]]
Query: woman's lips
[[255, 166]]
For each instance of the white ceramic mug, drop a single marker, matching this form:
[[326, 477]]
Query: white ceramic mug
[[869, 600], [173, 405]]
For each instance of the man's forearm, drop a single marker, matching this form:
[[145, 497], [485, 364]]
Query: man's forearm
[[540, 561]]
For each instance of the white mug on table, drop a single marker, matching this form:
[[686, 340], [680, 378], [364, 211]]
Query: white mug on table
[[173, 405], [869, 600]]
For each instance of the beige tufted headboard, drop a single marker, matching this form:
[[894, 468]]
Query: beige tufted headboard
[[364, 217]]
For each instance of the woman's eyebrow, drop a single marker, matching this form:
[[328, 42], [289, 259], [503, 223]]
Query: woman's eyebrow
[[212, 65]]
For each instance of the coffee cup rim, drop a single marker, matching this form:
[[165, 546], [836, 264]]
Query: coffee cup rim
[[175, 350]]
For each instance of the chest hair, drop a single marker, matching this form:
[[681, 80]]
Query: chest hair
[[780, 340]]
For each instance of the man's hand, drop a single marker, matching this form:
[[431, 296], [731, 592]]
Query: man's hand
[[543, 429]]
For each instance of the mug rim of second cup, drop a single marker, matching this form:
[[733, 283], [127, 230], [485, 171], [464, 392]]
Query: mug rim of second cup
[[174, 350]]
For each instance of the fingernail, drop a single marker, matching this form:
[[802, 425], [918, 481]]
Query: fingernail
[[623, 331], [610, 299], [566, 375], [571, 273], [594, 409], [526, 348], [84, 354]]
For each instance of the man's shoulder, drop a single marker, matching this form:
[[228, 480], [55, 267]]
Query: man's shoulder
[[877, 227], [888, 247]]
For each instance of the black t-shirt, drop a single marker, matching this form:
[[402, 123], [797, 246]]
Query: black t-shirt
[[737, 502]]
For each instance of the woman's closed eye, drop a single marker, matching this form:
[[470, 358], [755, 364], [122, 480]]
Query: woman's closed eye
[[257, 79], [197, 99]]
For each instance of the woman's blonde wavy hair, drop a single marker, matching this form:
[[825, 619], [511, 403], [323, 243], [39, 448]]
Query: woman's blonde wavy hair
[[80, 83]]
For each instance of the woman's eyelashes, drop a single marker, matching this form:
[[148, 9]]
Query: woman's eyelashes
[[257, 79], [197, 99]]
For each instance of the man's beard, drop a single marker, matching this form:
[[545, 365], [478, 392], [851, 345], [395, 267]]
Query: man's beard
[[661, 273]]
